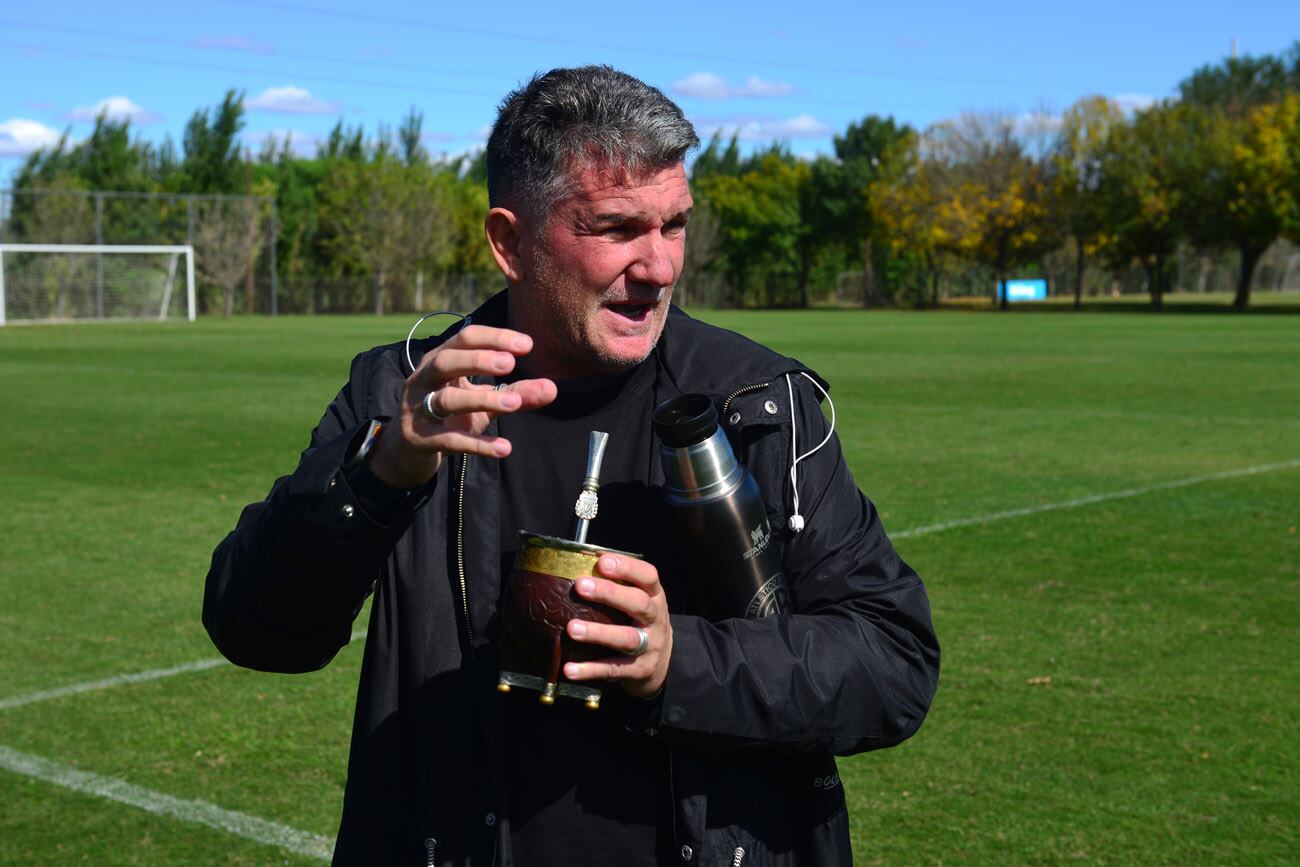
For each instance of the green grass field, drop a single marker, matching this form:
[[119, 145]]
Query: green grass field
[[1120, 676]]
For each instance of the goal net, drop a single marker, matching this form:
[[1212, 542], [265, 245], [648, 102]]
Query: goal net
[[95, 282]]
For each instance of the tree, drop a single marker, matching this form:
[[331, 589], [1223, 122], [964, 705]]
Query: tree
[[1147, 173], [107, 159], [343, 143], [1245, 188], [1288, 122], [906, 215], [410, 139], [713, 160], [990, 191], [1236, 86], [1078, 163], [862, 150], [383, 219], [211, 159], [759, 221], [227, 236], [822, 203], [703, 243], [55, 213]]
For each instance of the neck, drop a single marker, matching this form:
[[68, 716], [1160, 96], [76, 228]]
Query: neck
[[546, 361]]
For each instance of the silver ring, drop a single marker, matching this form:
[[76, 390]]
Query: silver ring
[[643, 642], [433, 413]]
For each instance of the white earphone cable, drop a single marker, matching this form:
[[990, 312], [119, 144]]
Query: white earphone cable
[[796, 520], [409, 362]]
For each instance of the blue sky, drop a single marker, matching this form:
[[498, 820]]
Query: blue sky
[[798, 72]]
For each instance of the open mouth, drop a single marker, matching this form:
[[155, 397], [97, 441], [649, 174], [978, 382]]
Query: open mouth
[[631, 312]]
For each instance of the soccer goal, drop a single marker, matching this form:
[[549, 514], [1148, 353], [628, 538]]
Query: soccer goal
[[95, 282]]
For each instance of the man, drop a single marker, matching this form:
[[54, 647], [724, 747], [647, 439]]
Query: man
[[718, 748]]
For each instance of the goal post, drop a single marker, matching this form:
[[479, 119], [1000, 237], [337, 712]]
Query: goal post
[[95, 282]]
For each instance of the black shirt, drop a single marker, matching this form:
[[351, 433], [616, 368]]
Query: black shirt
[[583, 789]]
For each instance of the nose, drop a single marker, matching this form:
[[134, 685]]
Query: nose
[[657, 260]]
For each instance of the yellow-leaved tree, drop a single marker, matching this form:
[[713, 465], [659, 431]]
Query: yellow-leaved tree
[[992, 189], [1078, 156]]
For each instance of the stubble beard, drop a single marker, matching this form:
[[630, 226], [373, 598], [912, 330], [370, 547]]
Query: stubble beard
[[569, 343]]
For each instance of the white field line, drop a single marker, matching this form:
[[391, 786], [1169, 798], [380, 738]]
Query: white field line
[[1095, 498], [108, 683], [122, 679], [200, 812]]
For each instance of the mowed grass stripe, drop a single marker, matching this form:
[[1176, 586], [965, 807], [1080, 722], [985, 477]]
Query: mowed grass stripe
[[304, 843], [200, 812], [204, 664]]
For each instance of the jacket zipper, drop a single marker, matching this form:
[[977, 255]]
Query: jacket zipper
[[737, 856], [460, 554], [726, 404], [430, 850]]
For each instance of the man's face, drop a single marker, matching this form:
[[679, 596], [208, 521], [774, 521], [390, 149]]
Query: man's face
[[600, 274]]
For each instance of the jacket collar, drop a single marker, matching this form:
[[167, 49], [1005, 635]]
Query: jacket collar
[[711, 360]]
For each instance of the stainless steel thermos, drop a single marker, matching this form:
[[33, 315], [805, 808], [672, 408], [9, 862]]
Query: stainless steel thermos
[[716, 508]]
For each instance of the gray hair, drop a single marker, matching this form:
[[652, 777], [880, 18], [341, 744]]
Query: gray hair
[[572, 119]]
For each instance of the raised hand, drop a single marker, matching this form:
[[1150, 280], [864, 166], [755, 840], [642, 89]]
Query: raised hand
[[443, 412]]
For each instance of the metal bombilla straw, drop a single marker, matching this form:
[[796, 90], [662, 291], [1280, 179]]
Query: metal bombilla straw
[[587, 505]]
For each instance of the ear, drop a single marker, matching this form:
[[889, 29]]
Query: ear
[[505, 235]]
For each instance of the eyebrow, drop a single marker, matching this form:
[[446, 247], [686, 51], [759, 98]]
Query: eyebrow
[[614, 219]]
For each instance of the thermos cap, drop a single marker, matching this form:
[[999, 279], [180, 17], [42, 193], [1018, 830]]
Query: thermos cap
[[686, 420]]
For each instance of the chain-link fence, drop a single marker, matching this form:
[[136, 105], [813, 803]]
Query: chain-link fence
[[234, 237]]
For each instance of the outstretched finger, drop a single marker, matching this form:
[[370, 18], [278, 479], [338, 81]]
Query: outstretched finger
[[447, 363], [533, 393], [451, 400], [487, 337], [468, 443]]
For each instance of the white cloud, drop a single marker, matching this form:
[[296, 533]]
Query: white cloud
[[755, 86], [1131, 102], [706, 85], [753, 128], [482, 134], [234, 43], [115, 108], [290, 100], [20, 137], [702, 85]]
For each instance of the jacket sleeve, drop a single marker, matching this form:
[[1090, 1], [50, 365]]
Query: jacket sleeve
[[853, 668], [286, 584]]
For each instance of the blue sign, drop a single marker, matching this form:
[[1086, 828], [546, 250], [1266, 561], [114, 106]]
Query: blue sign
[[1024, 290]]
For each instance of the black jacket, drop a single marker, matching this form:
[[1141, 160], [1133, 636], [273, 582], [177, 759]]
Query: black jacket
[[752, 712]]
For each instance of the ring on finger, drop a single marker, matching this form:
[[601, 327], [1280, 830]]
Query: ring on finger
[[432, 411], [642, 644]]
